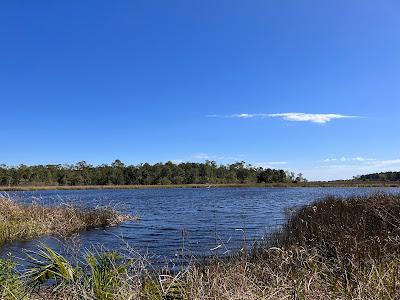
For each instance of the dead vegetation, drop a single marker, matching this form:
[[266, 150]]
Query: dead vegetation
[[26, 221]]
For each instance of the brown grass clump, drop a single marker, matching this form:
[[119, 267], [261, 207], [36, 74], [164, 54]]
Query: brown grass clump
[[295, 273], [359, 227], [23, 222]]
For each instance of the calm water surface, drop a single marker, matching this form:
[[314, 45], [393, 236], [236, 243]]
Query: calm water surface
[[196, 220]]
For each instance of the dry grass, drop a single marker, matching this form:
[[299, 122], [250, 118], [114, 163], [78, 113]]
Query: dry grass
[[338, 184], [361, 227], [24, 222], [294, 273]]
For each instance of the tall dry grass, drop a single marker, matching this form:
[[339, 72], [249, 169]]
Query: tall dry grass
[[26, 221], [359, 227]]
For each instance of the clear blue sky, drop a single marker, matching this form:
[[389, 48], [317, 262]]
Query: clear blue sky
[[150, 81]]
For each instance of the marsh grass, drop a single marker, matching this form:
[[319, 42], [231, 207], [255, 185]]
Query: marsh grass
[[26, 221], [338, 184], [11, 285], [359, 227], [337, 248]]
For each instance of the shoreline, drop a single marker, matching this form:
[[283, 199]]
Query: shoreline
[[336, 184]]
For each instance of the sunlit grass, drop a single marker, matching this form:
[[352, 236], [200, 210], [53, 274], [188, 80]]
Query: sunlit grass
[[11, 285], [26, 221]]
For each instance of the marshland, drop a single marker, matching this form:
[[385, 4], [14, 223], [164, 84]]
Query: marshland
[[199, 150], [313, 244]]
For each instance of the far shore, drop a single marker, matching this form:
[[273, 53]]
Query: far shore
[[340, 183]]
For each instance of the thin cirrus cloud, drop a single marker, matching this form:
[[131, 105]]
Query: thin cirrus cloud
[[360, 161], [270, 164], [206, 156], [346, 167], [349, 159], [201, 156], [361, 165], [291, 116]]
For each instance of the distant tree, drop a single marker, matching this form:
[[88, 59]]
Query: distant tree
[[300, 178], [117, 176], [384, 176], [118, 173]]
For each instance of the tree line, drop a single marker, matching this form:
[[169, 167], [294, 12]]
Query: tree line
[[118, 173], [384, 176]]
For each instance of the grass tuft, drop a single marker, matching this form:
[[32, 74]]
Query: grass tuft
[[359, 227], [27, 221], [11, 285]]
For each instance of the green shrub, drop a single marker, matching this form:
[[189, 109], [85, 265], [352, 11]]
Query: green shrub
[[11, 286], [106, 271]]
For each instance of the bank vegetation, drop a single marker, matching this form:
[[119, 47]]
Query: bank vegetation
[[19, 222]]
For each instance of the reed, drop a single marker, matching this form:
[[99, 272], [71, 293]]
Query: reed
[[361, 227], [26, 221]]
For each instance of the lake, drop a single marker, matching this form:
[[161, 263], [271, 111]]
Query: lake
[[196, 221]]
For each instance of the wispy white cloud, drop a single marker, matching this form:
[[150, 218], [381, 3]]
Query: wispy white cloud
[[384, 163], [348, 159], [364, 167], [314, 118], [201, 156], [249, 116], [240, 116], [216, 157], [330, 160], [347, 167], [359, 160], [177, 161], [291, 116], [270, 164], [277, 162]]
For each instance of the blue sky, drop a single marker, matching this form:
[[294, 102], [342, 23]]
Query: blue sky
[[310, 86]]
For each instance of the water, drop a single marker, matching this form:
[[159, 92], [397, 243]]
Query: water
[[193, 220]]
